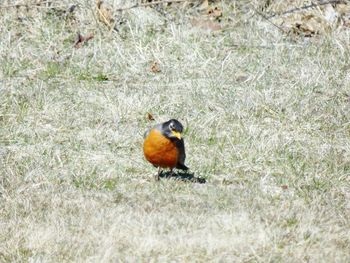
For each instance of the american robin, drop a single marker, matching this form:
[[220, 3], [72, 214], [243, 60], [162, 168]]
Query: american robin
[[163, 146]]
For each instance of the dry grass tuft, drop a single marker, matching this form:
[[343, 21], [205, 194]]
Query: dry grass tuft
[[267, 125]]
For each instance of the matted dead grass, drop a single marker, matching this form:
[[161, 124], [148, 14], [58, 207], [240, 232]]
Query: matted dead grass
[[267, 120]]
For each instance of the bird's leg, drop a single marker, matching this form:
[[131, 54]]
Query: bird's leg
[[171, 172], [156, 177]]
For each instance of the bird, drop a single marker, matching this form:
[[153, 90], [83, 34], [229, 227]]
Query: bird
[[164, 147]]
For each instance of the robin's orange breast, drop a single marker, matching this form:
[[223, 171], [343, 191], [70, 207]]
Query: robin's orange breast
[[159, 150]]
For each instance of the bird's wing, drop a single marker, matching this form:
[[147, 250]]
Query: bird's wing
[[182, 155]]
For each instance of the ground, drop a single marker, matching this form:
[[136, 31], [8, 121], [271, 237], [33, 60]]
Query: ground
[[267, 132]]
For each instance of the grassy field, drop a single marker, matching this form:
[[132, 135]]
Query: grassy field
[[267, 125]]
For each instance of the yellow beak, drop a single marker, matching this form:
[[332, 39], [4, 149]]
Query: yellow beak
[[176, 134]]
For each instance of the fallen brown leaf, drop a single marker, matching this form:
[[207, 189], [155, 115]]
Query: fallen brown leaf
[[150, 117], [311, 25], [155, 67], [105, 14], [284, 187], [215, 12], [82, 39]]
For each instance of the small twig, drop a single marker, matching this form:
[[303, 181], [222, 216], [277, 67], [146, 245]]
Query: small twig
[[267, 19], [152, 3], [297, 9]]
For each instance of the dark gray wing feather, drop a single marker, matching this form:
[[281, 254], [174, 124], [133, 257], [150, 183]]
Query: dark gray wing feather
[[182, 155]]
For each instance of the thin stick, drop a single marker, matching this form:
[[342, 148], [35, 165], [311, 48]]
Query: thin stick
[[297, 9], [267, 19], [152, 3]]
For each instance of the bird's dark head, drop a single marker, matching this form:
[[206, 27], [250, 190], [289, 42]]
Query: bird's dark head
[[172, 129]]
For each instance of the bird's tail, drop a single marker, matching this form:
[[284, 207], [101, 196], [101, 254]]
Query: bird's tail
[[182, 167]]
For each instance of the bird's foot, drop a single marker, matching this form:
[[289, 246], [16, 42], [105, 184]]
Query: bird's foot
[[156, 177], [171, 172]]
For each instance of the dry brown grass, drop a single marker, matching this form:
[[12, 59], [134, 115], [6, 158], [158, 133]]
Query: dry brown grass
[[267, 124]]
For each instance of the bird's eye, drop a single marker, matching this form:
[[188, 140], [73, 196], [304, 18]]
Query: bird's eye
[[172, 126]]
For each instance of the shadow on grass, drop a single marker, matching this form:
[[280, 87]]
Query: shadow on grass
[[183, 176]]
